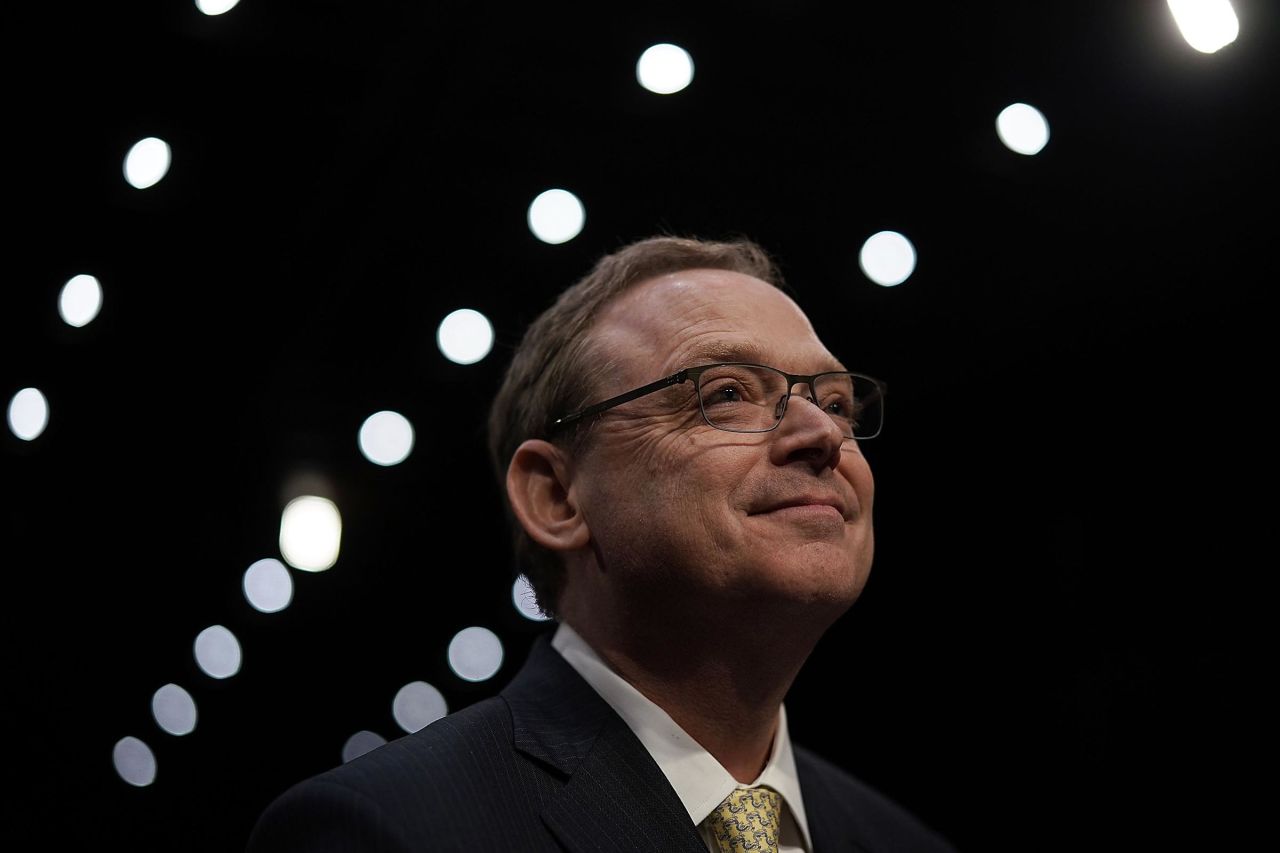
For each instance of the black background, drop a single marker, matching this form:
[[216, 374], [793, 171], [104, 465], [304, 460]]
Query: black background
[[1050, 653]]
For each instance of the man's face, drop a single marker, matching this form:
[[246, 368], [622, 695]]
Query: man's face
[[687, 516]]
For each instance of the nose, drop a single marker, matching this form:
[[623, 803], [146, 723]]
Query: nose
[[808, 435]]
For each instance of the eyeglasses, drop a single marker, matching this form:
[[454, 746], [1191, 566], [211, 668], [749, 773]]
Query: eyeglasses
[[740, 397]]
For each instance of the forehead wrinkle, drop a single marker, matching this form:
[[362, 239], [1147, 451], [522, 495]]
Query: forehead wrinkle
[[707, 352], [716, 350]]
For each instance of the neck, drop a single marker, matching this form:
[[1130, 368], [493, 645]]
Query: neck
[[722, 685]]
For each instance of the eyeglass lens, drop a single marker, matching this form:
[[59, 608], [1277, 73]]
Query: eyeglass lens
[[751, 398]]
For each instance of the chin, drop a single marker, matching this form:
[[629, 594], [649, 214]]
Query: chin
[[822, 578]]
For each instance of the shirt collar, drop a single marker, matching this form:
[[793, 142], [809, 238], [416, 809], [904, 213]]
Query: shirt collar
[[699, 779]]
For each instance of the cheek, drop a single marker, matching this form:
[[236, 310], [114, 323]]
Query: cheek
[[690, 486], [854, 467]]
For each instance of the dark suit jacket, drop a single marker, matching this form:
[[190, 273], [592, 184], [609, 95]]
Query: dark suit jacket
[[547, 765]]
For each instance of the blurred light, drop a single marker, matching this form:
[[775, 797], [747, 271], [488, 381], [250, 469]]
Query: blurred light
[[418, 704], [134, 761], [218, 652], [665, 68], [887, 258], [174, 710], [1022, 128], [465, 336], [268, 585], [475, 653], [387, 437], [310, 533], [1207, 25], [360, 743], [525, 600], [556, 216], [216, 7], [80, 300], [147, 162], [28, 414]]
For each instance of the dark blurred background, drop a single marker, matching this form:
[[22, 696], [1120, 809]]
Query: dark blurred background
[[1050, 652]]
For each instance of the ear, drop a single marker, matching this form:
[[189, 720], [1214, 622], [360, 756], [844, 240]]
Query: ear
[[539, 488]]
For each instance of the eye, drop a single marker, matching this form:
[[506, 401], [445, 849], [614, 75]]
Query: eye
[[723, 394], [841, 407]]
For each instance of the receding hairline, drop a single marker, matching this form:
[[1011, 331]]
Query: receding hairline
[[703, 351]]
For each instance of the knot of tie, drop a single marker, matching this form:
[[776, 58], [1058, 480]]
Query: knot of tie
[[747, 820]]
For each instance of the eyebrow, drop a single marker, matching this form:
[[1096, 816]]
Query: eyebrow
[[713, 351]]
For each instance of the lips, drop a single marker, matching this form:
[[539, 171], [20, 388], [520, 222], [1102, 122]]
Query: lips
[[809, 500]]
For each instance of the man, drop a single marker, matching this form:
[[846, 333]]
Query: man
[[680, 456]]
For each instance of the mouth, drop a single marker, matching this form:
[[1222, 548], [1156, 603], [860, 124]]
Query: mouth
[[810, 505]]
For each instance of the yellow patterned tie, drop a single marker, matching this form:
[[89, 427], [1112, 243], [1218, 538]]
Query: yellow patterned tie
[[748, 820]]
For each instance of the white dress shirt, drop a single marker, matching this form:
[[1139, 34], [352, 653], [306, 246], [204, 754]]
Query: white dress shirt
[[699, 779]]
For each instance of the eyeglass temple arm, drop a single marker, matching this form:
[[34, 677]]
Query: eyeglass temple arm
[[673, 379]]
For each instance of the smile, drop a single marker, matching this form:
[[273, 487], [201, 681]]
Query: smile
[[811, 505], [807, 511]]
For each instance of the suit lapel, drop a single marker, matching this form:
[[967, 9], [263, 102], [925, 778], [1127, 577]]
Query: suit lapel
[[616, 797], [833, 821]]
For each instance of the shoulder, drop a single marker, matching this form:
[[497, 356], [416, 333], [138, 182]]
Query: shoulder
[[419, 786], [843, 805], [436, 756]]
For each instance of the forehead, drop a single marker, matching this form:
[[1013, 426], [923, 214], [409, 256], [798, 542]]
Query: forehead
[[696, 316]]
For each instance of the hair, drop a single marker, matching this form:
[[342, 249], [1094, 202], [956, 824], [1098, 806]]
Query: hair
[[554, 372]]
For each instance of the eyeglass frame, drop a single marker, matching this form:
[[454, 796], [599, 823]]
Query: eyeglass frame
[[695, 374]]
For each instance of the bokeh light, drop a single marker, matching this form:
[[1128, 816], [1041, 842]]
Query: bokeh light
[[665, 68], [28, 414], [174, 710], [217, 652], [465, 336], [216, 7], [887, 258], [80, 300], [1022, 128], [526, 602], [1207, 25], [556, 216], [268, 586], [361, 742], [386, 437], [418, 704], [475, 653], [310, 533], [134, 761], [147, 162]]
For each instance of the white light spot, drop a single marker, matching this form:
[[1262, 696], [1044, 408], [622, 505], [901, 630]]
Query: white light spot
[[218, 652], [360, 743], [80, 300], [887, 258], [28, 414], [475, 653], [147, 162], [665, 68], [418, 704], [556, 216], [387, 437], [1207, 25], [216, 7], [1022, 128], [134, 761], [525, 601], [310, 533], [465, 336], [268, 586], [174, 710]]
